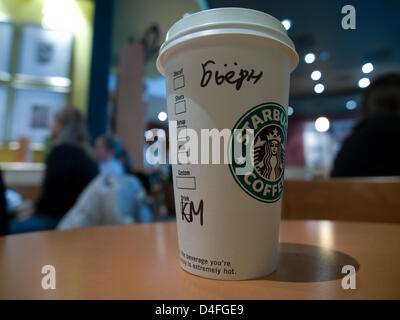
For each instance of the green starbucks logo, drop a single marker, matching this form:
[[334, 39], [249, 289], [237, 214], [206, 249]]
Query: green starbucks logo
[[264, 150]]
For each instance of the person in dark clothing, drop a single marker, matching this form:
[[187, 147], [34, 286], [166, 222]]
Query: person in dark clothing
[[3, 208], [69, 169], [371, 149]]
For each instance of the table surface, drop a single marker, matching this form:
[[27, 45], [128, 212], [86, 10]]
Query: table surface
[[141, 262]]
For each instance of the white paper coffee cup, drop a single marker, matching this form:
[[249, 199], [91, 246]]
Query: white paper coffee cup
[[228, 224]]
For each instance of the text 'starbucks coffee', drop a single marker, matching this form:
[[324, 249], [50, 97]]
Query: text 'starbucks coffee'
[[225, 69], [269, 124]]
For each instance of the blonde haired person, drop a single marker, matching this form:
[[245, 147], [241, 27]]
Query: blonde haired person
[[69, 169]]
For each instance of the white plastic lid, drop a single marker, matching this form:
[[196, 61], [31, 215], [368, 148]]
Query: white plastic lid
[[227, 21]]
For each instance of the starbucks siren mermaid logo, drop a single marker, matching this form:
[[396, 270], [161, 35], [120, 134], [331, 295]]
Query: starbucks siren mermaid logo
[[268, 153]]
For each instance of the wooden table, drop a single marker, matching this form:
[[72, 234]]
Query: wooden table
[[141, 262]]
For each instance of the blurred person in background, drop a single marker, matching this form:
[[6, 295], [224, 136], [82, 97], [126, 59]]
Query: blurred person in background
[[112, 157], [69, 169], [114, 197], [107, 151], [126, 160], [372, 147], [3, 213], [128, 163], [110, 199]]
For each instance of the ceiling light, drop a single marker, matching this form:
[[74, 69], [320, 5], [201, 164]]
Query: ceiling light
[[286, 23], [319, 88], [309, 57], [162, 116], [316, 75], [363, 83], [351, 105], [322, 124], [367, 68]]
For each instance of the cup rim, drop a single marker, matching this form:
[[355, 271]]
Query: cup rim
[[227, 21]]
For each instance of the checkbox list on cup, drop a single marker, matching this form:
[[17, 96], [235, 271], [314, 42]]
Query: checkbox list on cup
[[179, 81]]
